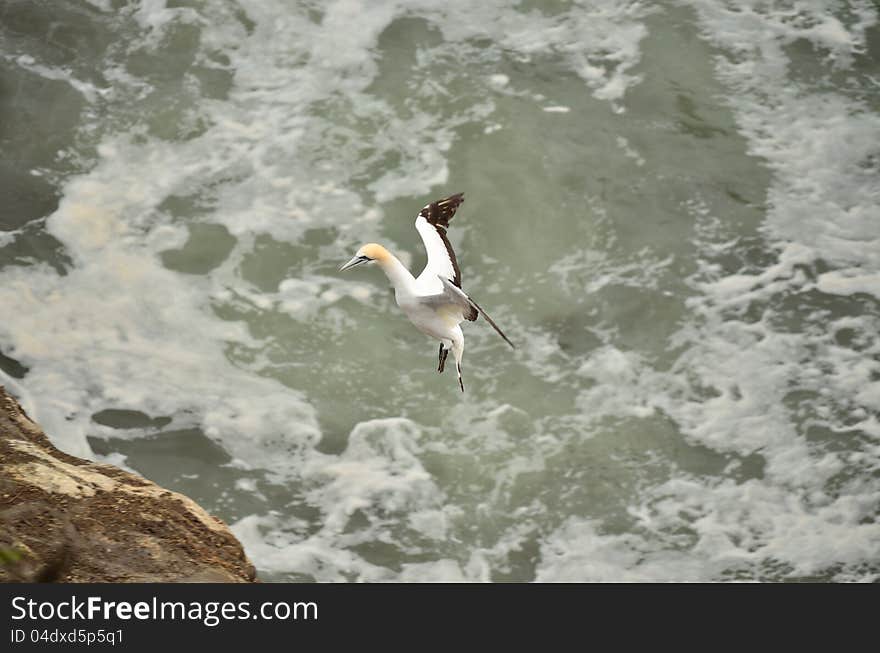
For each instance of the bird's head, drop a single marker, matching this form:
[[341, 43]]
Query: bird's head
[[366, 254]]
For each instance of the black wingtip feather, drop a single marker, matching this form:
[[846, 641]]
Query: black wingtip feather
[[492, 322], [439, 213]]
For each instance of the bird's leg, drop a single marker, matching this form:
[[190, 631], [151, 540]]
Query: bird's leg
[[458, 352], [443, 354]]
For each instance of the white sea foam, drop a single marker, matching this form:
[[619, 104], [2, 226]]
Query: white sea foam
[[378, 479], [789, 519], [808, 497], [88, 91], [578, 552], [849, 281], [119, 330]]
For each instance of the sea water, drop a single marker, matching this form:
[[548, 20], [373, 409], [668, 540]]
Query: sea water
[[672, 209]]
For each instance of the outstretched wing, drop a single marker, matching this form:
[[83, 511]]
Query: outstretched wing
[[454, 295], [432, 223]]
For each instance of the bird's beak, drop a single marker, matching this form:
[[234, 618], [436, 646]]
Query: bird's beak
[[357, 260]]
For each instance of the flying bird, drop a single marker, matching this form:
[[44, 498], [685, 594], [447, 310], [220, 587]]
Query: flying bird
[[434, 301]]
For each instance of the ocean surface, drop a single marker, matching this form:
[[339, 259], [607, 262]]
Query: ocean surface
[[672, 208]]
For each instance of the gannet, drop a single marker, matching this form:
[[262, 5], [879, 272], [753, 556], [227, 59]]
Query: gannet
[[434, 301]]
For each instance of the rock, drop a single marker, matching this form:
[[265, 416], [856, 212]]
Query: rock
[[71, 520]]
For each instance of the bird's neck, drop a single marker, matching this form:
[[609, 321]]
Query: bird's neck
[[401, 278]]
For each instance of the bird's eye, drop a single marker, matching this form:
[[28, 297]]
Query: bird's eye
[[364, 258]]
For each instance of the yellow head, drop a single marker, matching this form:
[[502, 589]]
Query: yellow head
[[366, 254]]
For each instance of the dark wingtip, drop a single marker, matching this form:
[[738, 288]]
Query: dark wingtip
[[491, 322], [441, 212]]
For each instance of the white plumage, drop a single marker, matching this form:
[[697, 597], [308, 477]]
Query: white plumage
[[434, 302]]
